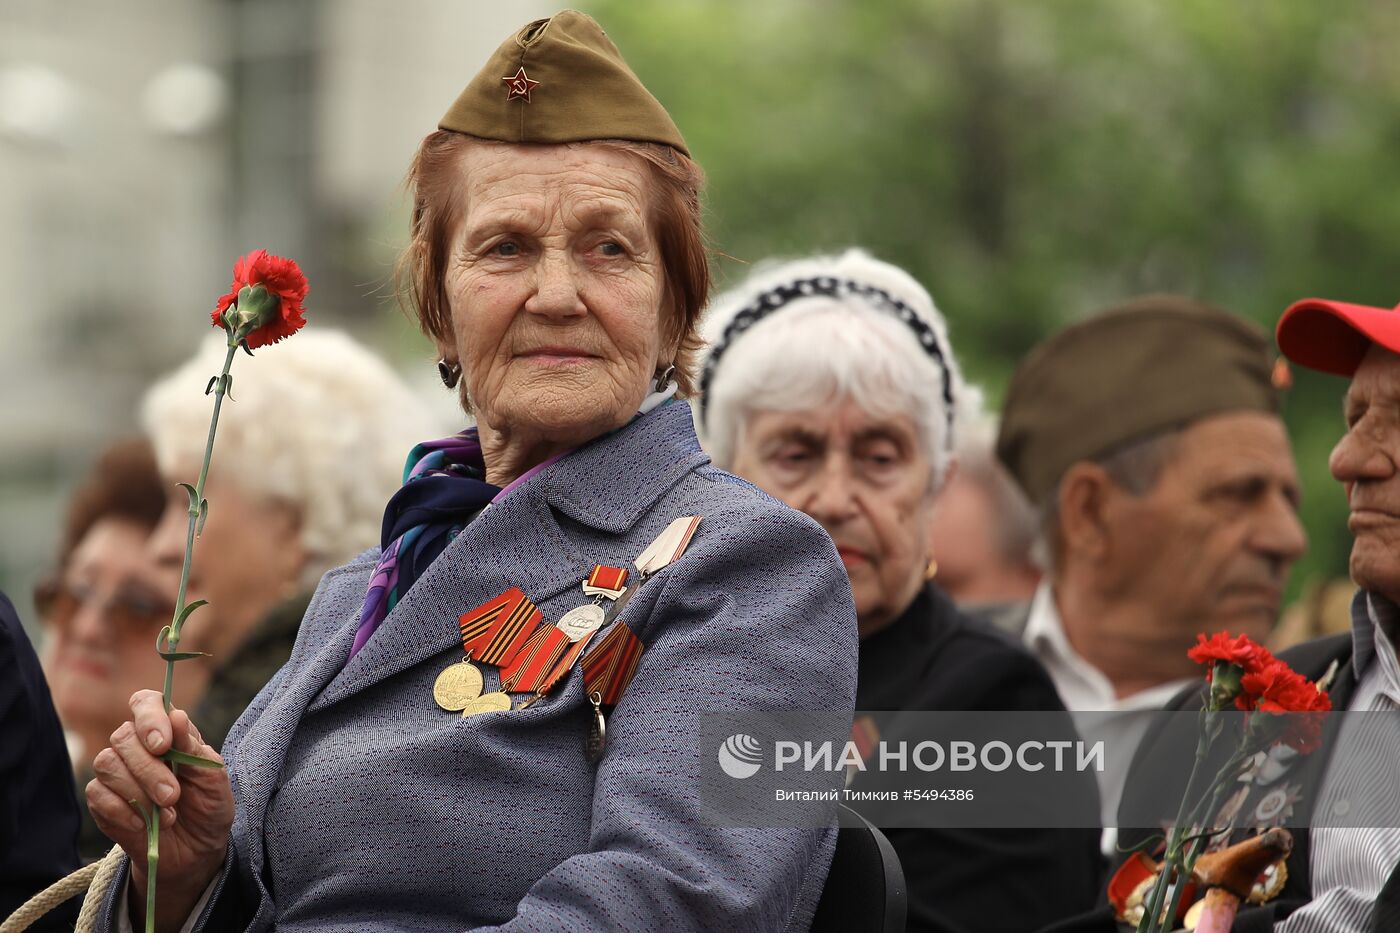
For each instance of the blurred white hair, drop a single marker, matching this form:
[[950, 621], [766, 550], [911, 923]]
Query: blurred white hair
[[819, 350], [317, 421]]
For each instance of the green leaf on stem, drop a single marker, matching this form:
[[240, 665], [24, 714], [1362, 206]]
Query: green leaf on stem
[[185, 758], [194, 496], [203, 514], [210, 387], [186, 612]]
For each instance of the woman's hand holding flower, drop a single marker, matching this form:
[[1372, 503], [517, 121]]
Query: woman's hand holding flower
[[196, 806]]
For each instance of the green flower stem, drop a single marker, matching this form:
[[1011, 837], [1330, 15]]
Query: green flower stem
[[173, 642], [152, 816], [220, 388], [1188, 863], [1151, 921]]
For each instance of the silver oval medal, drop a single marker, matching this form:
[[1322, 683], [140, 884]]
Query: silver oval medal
[[582, 621]]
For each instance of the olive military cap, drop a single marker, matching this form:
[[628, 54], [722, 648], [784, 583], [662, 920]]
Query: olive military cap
[[560, 80], [1153, 364]]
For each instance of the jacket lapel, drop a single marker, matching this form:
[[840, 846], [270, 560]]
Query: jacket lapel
[[607, 486]]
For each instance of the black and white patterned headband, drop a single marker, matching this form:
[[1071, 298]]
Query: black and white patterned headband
[[777, 297]]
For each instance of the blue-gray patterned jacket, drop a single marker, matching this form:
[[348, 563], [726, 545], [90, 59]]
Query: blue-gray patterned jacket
[[363, 806]]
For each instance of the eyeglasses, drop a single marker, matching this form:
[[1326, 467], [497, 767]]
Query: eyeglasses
[[130, 611]]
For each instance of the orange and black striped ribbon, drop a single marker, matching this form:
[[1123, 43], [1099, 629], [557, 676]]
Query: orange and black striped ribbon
[[609, 665], [544, 659], [495, 631]]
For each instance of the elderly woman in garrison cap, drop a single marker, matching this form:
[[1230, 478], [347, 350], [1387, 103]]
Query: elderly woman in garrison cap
[[831, 384], [492, 721]]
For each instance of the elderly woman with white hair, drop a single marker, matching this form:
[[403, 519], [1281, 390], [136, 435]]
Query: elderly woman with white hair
[[830, 383], [307, 454]]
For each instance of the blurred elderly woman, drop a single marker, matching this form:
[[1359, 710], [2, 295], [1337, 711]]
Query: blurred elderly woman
[[831, 384], [386, 779], [106, 598], [307, 454], [100, 607]]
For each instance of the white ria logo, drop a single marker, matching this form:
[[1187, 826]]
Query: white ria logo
[[740, 756]]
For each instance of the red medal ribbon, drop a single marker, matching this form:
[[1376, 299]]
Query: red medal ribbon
[[610, 581], [495, 631], [608, 667], [534, 659], [546, 657]]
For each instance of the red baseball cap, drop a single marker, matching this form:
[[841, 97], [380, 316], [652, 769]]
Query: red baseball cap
[[1333, 336]]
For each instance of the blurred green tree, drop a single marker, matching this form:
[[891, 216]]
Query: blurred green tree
[[1032, 162]]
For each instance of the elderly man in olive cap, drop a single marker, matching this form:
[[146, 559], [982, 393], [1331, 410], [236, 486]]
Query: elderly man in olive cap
[[1148, 438]]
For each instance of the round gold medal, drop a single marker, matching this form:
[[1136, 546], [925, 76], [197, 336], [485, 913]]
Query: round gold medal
[[457, 686], [496, 702]]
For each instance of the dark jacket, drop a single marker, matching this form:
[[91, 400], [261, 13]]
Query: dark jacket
[[975, 880], [38, 810]]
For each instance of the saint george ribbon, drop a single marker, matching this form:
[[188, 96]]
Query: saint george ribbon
[[495, 631]]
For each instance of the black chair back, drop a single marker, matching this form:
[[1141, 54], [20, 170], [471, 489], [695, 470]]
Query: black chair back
[[864, 890]]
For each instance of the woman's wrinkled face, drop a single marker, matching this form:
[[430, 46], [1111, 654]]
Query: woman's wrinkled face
[[866, 479], [100, 625], [555, 285]]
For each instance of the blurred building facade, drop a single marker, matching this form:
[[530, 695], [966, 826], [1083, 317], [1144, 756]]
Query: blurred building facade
[[145, 145]]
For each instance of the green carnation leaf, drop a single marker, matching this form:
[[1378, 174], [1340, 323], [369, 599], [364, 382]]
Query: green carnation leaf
[[203, 514], [193, 494], [185, 613], [185, 758], [183, 655]]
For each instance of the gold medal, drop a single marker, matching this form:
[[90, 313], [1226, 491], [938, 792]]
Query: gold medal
[[457, 686], [495, 702]]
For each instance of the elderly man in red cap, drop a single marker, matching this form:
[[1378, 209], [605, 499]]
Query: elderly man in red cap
[[1341, 807]]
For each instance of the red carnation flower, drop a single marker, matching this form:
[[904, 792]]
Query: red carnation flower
[[1241, 651], [257, 278], [1277, 689]]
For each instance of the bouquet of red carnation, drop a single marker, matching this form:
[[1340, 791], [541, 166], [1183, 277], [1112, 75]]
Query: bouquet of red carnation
[[1282, 708]]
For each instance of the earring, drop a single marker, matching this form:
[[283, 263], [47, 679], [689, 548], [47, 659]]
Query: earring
[[449, 373], [663, 377]]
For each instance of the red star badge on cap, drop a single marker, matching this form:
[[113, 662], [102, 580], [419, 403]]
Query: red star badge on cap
[[519, 85]]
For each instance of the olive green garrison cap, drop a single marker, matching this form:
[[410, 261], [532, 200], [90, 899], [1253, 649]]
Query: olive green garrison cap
[[1150, 365], [560, 80]]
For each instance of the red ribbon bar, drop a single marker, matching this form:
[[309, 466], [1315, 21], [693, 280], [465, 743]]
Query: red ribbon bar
[[534, 660], [608, 578], [608, 667], [496, 630]]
